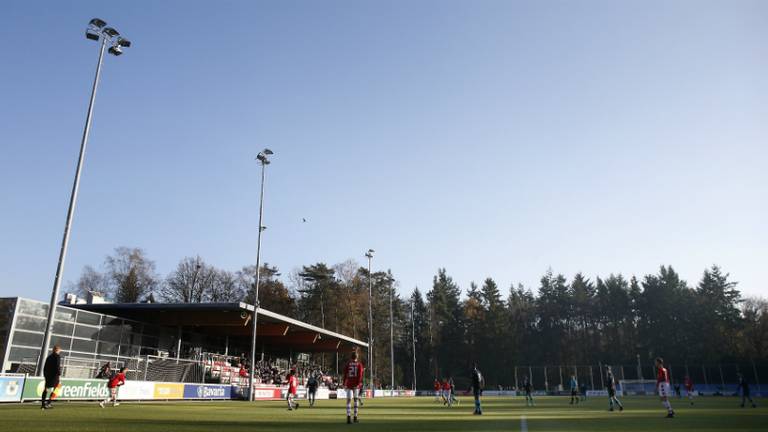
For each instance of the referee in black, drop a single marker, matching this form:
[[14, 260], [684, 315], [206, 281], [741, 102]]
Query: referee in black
[[52, 373]]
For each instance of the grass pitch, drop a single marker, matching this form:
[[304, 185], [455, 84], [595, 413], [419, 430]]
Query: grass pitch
[[421, 414]]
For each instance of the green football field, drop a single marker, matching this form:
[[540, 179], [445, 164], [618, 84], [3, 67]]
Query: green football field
[[399, 414]]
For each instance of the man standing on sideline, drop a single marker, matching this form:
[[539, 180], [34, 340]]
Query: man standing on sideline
[[662, 386], [353, 380], [477, 389], [745, 393], [574, 390], [528, 388], [611, 385], [312, 389], [51, 373]]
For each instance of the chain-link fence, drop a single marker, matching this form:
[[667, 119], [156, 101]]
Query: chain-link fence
[[715, 379]]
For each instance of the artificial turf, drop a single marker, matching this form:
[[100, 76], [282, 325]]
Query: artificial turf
[[421, 414]]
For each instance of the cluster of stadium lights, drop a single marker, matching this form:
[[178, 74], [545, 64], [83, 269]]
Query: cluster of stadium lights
[[97, 28]]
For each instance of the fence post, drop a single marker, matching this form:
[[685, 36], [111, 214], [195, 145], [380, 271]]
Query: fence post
[[757, 380], [146, 366], [516, 386], [704, 369], [560, 368], [546, 380], [600, 367], [671, 375], [722, 380], [591, 378], [530, 375]]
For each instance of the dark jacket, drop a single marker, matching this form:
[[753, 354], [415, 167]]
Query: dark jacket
[[477, 381], [312, 384], [52, 368]]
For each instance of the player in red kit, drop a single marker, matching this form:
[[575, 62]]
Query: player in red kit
[[689, 388], [438, 390], [293, 386], [353, 381], [446, 392], [662, 386], [114, 383]]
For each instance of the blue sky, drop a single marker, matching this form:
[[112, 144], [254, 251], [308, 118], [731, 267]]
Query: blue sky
[[493, 138]]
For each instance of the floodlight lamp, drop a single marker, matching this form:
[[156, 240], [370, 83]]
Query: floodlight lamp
[[98, 23], [109, 31], [92, 35], [262, 157], [123, 42], [115, 50]]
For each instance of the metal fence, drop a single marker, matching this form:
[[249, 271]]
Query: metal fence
[[722, 377]]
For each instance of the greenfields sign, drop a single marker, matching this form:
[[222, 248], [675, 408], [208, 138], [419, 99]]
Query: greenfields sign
[[69, 389]]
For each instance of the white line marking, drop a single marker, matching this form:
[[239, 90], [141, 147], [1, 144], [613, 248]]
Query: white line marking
[[523, 424]]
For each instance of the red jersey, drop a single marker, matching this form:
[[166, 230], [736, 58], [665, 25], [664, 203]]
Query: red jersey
[[293, 384], [688, 384], [437, 385], [661, 375], [446, 385], [353, 374], [117, 380]]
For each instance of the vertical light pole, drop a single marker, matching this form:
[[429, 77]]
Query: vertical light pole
[[95, 31], [413, 342], [262, 158], [369, 255], [391, 339]]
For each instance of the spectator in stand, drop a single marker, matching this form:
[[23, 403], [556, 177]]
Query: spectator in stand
[[105, 372]]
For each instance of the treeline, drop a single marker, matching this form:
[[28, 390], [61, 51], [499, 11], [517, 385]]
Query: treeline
[[580, 321]]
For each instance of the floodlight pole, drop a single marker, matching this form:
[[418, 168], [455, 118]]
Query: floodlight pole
[[391, 341], [413, 342], [369, 255], [70, 214], [251, 394]]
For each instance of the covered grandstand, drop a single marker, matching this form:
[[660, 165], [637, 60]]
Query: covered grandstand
[[201, 343]]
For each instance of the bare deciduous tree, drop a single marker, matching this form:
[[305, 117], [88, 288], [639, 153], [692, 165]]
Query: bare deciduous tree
[[90, 280], [129, 275]]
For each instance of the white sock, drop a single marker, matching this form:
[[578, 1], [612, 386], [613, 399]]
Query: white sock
[[667, 405]]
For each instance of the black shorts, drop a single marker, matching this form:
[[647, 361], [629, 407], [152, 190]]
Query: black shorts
[[611, 392], [574, 392], [51, 382]]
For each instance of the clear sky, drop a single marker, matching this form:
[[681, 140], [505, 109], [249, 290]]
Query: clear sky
[[493, 138]]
